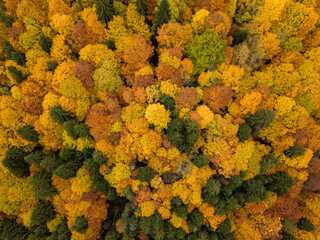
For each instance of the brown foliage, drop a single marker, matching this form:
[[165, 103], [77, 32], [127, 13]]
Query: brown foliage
[[176, 52], [314, 165], [142, 196], [218, 97], [136, 55], [32, 104], [144, 81], [99, 121], [312, 184], [164, 71], [82, 35], [187, 98], [286, 207], [84, 71], [16, 31]]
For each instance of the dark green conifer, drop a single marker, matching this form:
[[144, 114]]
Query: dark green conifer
[[295, 151], [142, 7], [59, 115], [269, 162], [305, 224], [260, 119], [28, 132], [144, 174], [163, 14], [35, 158], [17, 75], [45, 43], [81, 224], [244, 132], [13, 54], [15, 162], [104, 10], [41, 181], [10, 229], [52, 65]]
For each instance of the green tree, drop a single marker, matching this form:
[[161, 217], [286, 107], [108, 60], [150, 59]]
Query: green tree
[[305, 224], [62, 232], [244, 132], [10, 229], [35, 158], [269, 162], [16, 74], [15, 162], [52, 65], [279, 182], [295, 151], [46, 43], [81, 224], [51, 163], [144, 174], [28, 132], [178, 207], [195, 220], [41, 181], [260, 119], [13, 54], [59, 115], [240, 37], [200, 160], [104, 10], [142, 7], [206, 51], [163, 14], [7, 19]]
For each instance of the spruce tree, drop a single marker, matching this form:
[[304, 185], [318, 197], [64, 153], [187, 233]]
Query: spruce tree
[[15, 162], [16, 74], [27, 132], [59, 115], [163, 14], [104, 10], [142, 7], [45, 43], [13, 54], [81, 224]]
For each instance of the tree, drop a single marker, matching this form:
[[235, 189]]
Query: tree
[[269, 162], [279, 182], [81, 224], [195, 220], [41, 214], [142, 7], [62, 232], [35, 158], [244, 132], [59, 115], [104, 10], [260, 119], [27, 132], [17, 75], [206, 51], [10, 229], [178, 207], [15, 162], [163, 14], [144, 174], [45, 43], [305, 224], [200, 160], [13, 54], [41, 181], [295, 151]]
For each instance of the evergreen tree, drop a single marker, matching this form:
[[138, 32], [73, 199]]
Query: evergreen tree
[[163, 14], [46, 43], [295, 151], [59, 115], [13, 54], [51, 163], [195, 220], [35, 158], [201, 160], [269, 162], [10, 229], [81, 224], [52, 65], [244, 132], [41, 181], [240, 37], [27, 132], [142, 7], [260, 119], [144, 174], [279, 182], [178, 207], [62, 232], [305, 224], [16, 74], [110, 44], [7, 19], [104, 10], [15, 162], [168, 102]]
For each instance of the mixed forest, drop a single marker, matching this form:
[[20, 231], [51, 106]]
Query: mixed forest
[[159, 119]]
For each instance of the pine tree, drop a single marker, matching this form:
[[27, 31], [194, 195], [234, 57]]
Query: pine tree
[[27, 132], [163, 15], [59, 115], [81, 224], [13, 54], [15, 162], [104, 10], [45, 43], [16, 74], [142, 7]]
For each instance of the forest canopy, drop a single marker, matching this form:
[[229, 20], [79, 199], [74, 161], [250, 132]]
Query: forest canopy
[[159, 119]]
